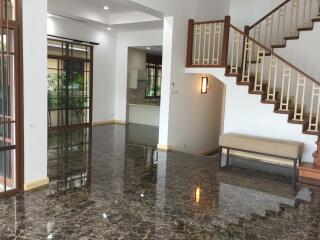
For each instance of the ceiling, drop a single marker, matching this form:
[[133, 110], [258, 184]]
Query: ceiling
[[114, 5], [151, 49], [123, 15]]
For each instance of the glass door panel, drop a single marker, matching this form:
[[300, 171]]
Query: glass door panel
[[7, 111], [69, 80]]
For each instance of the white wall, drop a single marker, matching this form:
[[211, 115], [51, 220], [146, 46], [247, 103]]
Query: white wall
[[136, 59], [179, 90], [35, 89], [304, 52], [244, 113], [247, 12], [104, 62], [197, 118], [124, 41]]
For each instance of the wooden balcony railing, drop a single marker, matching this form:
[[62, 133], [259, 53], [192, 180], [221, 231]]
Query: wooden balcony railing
[[293, 92], [285, 22]]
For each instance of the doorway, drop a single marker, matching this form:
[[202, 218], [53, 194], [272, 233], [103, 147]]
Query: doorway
[[144, 94], [70, 81]]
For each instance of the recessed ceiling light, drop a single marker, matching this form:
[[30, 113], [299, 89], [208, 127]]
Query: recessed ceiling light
[[148, 48], [109, 28], [106, 8]]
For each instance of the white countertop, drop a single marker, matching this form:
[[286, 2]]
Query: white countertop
[[153, 105]]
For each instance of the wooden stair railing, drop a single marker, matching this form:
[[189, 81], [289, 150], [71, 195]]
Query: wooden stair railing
[[289, 89], [285, 22]]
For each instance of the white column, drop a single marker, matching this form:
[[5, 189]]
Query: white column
[[35, 92], [166, 83]]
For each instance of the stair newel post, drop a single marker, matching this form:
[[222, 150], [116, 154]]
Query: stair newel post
[[246, 33], [225, 44], [190, 42]]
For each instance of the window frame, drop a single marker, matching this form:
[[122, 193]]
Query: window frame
[[153, 62]]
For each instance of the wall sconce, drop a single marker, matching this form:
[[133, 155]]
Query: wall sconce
[[204, 85]]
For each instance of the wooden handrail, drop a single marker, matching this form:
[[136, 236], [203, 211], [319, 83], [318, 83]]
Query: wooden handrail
[[208, 22], [270, 13], [276, 55]]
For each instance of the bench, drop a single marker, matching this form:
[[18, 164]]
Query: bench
[[263, 146]]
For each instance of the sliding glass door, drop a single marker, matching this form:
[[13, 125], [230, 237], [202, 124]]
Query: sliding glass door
[[69, 85], [69, 112], [11, 127]]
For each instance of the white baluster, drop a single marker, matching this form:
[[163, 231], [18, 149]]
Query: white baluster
[[247, 56], [269, 26], [281, 15], [285, 100], [216, 41], [206, 49], [273, 68], [315, 104], [294, 17], [235, 53], [256, 36], [300, 93], [197, 45], [307, 7], [259, 66]]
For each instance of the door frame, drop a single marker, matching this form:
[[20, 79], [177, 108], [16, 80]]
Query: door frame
[[68, 58], [17, 26]]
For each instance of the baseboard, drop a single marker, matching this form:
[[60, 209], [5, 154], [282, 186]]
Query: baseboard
[[165, 148], [211, 152], [110, 122], [36, 184]]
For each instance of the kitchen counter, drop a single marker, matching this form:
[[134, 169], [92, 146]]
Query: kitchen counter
[[144, 104], [144, 113]]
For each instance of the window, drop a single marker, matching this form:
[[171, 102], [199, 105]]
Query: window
[[154, 74]]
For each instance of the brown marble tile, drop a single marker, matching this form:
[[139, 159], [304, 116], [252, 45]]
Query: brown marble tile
[[106, 185]]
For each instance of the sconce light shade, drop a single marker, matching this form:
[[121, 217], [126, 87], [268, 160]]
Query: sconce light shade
[[204, 85]]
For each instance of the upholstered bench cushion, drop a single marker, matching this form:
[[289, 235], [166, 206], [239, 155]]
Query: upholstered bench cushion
[[281, 148]]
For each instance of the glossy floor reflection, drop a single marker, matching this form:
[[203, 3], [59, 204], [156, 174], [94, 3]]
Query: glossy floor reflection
[[105, 185]]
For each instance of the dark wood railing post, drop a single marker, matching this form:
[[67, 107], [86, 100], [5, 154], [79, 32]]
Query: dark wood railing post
[[225, 44], [190, 42], [246, 33]]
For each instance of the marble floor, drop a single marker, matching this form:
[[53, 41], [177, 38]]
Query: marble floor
[[111, 183]]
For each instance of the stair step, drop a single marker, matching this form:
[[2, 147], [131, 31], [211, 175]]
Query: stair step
[[244, 83], [316, 19], [291, 37], [282, 111], [300, 29], [297, 121], [278, 45], [309, 171], [314, 133], [256, 92], [266, 101]]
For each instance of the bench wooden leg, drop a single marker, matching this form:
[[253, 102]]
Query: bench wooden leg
[[220, 160], [228, 157], [295, 173]]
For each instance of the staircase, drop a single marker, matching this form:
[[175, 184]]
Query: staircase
[[248, 55]]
